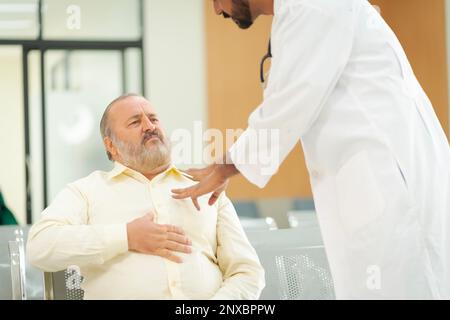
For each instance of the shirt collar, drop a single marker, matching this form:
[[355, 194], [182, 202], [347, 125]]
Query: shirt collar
[[119, 169]]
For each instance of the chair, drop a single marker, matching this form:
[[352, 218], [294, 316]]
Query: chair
[[64, 285], [295, 264], [258, 223], [17, 263], [22, 281], [19, 280]]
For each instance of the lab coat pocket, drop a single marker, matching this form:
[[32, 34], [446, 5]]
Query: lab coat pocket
[[360, 200]]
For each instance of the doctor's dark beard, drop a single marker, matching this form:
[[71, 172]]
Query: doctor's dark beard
[[142, 158], [241, 13]]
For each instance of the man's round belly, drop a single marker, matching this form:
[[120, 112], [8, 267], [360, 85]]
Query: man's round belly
[[140, 276]]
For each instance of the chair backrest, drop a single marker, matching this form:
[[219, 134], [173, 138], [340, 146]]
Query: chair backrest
[[295, 264], [64, 285]]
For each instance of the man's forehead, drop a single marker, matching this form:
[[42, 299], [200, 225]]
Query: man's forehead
[[131, 106]]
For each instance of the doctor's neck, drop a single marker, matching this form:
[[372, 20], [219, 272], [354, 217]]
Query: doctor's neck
[[262, 7]]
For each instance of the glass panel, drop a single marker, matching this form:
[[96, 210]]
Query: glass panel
[[18, 19], [12, 169], [133, 71], [35, 125], [79, 86], [93, 20]]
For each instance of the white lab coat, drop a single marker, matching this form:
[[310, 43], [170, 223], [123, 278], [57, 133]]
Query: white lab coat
[[378, 159]]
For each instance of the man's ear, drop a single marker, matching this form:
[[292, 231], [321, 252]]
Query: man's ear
[[110, 148]]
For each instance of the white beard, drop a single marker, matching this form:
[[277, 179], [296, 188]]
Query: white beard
[[142, 158]]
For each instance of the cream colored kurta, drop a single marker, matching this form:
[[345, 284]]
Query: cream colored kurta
[[85, 225]]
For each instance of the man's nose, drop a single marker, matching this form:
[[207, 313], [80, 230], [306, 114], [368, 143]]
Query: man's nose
[[148, 125]]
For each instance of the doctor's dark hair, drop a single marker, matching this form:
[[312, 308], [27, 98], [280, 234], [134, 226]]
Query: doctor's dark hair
[[105, 128]]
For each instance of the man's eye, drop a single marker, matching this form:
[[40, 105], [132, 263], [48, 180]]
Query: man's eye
[[154, 120], [134, 122]]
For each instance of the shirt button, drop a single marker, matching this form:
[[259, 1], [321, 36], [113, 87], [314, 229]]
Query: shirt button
[[315, 174]]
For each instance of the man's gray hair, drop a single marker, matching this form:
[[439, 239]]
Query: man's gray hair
[[105, 128]]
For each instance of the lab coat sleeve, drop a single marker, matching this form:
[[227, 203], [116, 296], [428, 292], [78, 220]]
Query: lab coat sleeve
[[63, 237], [243, 275], [311, 49]]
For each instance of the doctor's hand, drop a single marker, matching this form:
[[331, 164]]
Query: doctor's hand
[[148, 237], [213, 179]]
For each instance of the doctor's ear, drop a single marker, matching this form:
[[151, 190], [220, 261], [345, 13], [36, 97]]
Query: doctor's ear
[[111, 150]]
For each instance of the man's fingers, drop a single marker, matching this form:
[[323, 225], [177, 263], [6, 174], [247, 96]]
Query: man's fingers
[[150, 216], [167, 254], [179, 238], [173, 229], [175, 246]]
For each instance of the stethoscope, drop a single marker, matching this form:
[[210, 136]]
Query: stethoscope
[[261, 67]]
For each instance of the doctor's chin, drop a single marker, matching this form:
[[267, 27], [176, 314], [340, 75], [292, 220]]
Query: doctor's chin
[[246, 150]]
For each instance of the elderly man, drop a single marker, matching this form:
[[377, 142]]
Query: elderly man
[[130, 239]]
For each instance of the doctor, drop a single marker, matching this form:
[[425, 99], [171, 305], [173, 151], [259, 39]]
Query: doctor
[[378, 159]]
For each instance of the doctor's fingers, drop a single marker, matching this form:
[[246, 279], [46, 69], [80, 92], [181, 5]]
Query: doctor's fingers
[[198, 174], [194, 174], [191, 192], [184, 192], [214, 197], [195, 202]]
